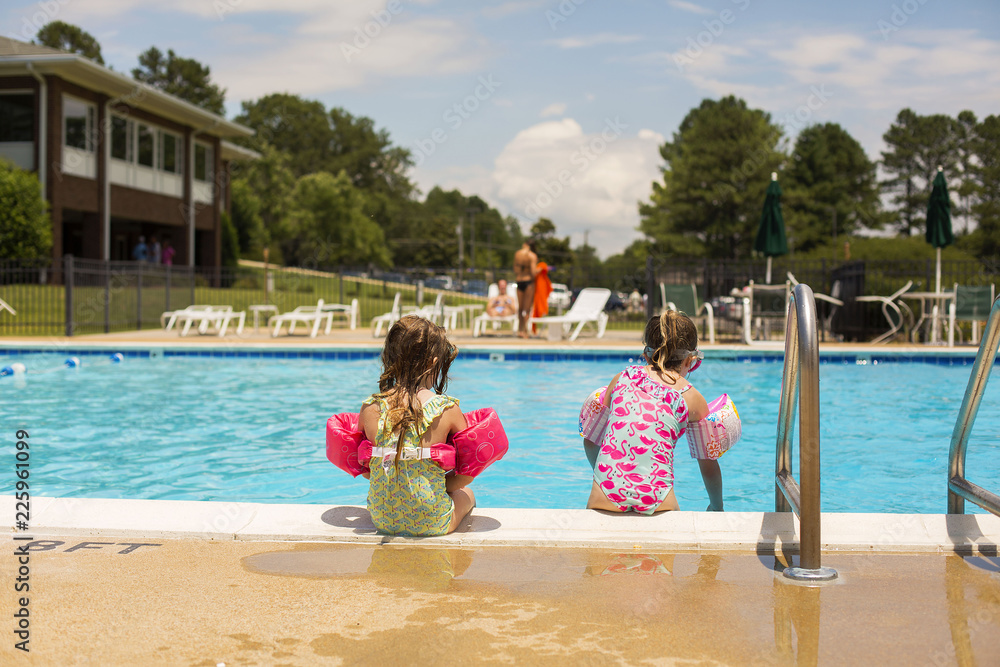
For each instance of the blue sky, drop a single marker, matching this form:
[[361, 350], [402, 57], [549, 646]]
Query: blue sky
[[557, 108]]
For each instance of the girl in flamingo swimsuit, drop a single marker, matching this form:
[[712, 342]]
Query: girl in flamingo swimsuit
[[650, 406]]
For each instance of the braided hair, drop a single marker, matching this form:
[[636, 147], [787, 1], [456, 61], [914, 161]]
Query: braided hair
[[414, 348], [670, 338]]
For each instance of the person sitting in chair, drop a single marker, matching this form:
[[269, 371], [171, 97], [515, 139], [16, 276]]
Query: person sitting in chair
[[501, 305]]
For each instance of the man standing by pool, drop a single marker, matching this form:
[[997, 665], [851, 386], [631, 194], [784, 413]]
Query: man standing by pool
[[525, 270]]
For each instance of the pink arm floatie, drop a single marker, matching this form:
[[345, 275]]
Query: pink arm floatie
[[344, 438], [480, 444]]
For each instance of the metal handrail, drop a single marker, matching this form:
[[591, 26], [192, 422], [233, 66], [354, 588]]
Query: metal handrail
[[801, 379], [959, 488]]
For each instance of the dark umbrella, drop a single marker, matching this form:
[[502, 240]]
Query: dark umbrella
[[771, 233], [939, 221]]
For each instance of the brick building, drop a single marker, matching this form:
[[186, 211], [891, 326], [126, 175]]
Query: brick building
[[119, 159]]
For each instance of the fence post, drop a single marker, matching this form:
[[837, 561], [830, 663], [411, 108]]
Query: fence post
[[68, 283], [192, 274], [650, 288], [107, 296], [341, 276], [166, 296], [138, 297]]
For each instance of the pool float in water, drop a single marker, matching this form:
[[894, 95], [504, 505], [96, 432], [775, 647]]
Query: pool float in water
[[468, 452], [594, 416], [712, 436]]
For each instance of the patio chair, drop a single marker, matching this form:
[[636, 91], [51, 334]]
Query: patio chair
[[313, 315], [971, 304], [685, 299], [833, 299], [896, 312], [479, 324], [388, 319], [764, 304], [5, 306], [587, 309]]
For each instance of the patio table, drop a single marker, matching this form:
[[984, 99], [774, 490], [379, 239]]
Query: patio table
[[932, 305], [259, 308]]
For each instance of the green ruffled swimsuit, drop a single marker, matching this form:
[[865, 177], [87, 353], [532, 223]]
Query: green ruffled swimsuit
[[409, 497]]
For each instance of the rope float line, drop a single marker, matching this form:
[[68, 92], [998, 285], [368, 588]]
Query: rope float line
[[17, 368]]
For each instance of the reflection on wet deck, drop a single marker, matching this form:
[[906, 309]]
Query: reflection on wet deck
[[635, 605]]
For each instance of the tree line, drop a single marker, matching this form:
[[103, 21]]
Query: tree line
[[331, 189]]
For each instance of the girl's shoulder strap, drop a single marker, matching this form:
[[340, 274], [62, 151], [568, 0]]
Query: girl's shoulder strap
[[689, 386]]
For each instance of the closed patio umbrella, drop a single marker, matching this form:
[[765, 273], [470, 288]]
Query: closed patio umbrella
[[939, 222], [771, 232]]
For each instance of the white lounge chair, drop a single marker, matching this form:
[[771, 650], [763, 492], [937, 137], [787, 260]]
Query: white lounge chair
[[169, 318], [587, 309], [5, 306], [433, 313], [214, 316], [313, 315], [388, 319], [479, 324], [351, 312]]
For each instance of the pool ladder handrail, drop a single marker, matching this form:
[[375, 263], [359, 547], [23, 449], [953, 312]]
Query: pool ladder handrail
[[800, 378], [959, 488]]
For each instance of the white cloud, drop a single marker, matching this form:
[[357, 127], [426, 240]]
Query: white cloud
[[554, 109], [690, 7], [595, 40], [508, 8]]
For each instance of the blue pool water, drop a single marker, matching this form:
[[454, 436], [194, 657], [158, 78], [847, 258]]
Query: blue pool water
[[253, 430]]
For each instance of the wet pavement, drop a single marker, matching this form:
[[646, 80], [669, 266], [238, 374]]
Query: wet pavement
[[124, 601]]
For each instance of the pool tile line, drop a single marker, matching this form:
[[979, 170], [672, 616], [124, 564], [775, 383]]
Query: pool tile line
[[761, 532]]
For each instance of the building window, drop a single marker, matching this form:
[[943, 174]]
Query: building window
[[146, 143], [170, 160], [121, 138], [203, 162], [17, 117], [78, 124]]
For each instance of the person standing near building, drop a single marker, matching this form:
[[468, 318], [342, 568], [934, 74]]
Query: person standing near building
[[140, 252], [155, 247], [525, 270], [168, 253]]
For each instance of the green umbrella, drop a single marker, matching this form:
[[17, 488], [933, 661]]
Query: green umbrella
[[771, 233], [939, 221]]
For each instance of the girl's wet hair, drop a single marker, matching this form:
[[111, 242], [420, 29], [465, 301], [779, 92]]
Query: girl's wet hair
[[414, 348], [669, 339]]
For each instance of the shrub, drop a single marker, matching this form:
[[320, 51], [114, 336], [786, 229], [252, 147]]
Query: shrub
[[25, 227]]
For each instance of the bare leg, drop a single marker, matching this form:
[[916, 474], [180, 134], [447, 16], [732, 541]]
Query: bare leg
[[464, 500], [525, 307]]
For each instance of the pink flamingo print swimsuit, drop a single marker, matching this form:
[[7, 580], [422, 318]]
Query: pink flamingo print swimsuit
[[635, 463]]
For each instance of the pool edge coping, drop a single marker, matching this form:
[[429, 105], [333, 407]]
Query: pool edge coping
[[760, 532]]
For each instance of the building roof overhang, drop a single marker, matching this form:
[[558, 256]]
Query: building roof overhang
[[124, 89]]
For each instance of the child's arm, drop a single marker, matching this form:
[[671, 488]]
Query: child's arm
[[455, 422], [711, 473], [369, 416]]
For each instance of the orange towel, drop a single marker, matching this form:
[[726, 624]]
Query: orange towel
[[543, 287]]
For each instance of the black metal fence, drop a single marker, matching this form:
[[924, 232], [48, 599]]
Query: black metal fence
[[79, 296]]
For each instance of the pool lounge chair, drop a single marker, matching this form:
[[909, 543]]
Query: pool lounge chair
[[351, 312], [685, 299], [169, 318], [388, 319], [313, 315], [479, 324], [587, 309], [896, 312], [5, 306], [215, 316]]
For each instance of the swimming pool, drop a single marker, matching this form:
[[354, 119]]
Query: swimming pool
[[252, 429]]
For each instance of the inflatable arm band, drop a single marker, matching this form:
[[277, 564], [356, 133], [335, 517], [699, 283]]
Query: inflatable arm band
[[470, 451], [712, 437], [594, 416]]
